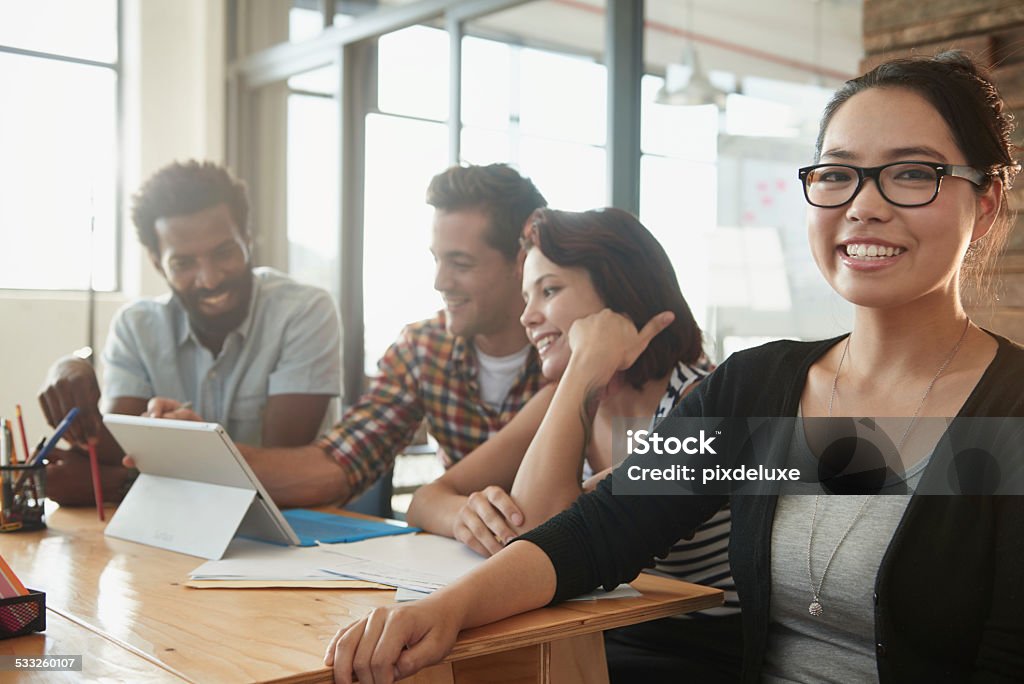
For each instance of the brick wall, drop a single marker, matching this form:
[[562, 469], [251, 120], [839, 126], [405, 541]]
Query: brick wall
[[993, 32]]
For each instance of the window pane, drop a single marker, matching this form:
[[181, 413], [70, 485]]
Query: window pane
[[413, 73], [569, 175], [77, 28], [681, 132], [486, 83], [313, 190], [682, 226], [323, 80], [480, 146], [402, 155], [304, 23], [562, 97], [58, 144]]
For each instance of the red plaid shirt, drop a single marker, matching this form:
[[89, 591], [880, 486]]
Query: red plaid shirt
[[427, 373]]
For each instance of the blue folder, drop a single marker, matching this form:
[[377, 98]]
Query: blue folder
[[314, 526]]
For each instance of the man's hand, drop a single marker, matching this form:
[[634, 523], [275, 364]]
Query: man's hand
[[162, 407], [487, 521], [71, 382], [69, 479]]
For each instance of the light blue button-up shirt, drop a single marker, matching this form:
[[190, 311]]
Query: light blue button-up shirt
[[288, 344]]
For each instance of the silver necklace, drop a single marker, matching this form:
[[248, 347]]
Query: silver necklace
[[927, 391], [815, 608]]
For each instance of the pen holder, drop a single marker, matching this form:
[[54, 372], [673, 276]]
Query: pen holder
[[22, 493], [22, 614]]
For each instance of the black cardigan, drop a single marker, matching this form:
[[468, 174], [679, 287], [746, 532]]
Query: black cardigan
[[949, 594]]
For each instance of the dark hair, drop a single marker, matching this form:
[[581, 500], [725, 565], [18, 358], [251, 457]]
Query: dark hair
[[963, 94], [631, 273], [183, 188], [498, 190]]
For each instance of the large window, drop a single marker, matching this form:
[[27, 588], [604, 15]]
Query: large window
[[538, 110], [730, 102], [59, 144], [722, 134]]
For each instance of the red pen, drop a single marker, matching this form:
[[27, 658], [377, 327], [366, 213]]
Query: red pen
[[97, 488]]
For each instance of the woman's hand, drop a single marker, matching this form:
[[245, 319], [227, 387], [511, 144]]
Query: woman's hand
[[393, 642], [487, 521], [606, 342]]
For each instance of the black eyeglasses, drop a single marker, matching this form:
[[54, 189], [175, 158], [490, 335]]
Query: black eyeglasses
[[903, 183]]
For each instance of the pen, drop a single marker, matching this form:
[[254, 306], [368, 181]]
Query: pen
[[12, 447], [6, 443], [26, 477], [58, 433], [6, 477], [21, 426], [97, 488]]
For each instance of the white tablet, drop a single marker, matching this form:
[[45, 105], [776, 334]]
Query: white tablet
[[195, 490]]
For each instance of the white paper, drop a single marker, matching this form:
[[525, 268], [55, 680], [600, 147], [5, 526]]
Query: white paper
[[420, 562], [246, 559]]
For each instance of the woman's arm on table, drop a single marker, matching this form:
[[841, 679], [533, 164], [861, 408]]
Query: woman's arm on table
[[470, 502], [602, 540], [396, 641]]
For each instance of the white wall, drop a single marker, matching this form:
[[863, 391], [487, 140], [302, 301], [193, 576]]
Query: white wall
[[173, 71]]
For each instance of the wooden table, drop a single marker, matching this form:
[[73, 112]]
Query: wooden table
[[103, 658], [125, 608]]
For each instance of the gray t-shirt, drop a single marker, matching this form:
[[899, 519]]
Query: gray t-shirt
[[288, 344], [839, 645]]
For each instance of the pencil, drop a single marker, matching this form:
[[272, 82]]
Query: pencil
[[97, 487], [21, 426]]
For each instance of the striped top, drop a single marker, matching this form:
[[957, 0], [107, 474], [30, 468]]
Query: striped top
[[705, 558]]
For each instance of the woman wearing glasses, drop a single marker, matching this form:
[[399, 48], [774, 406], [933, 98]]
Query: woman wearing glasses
[[906, 199]]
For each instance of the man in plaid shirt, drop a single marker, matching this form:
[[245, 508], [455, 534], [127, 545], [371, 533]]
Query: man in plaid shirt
[[467, 371]]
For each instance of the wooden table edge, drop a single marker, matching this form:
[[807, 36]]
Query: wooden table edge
[[588, 623], [121, 644]]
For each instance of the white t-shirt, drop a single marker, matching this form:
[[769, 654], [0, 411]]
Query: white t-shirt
[[497, 374]]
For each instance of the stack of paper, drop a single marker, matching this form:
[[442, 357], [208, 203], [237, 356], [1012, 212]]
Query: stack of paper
[[246, 559], [417, 564], [421, 562]]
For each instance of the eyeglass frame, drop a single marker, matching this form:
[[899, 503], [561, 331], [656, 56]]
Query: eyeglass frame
[[968, 173]]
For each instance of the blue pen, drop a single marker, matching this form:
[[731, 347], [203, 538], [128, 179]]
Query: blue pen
[[61, 429]]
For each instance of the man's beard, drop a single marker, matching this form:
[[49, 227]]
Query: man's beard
[[207, 327]]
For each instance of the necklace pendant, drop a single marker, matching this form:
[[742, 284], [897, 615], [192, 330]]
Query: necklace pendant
[[815, 608]]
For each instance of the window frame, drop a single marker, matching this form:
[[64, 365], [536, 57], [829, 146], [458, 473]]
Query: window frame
[[119, 106]]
